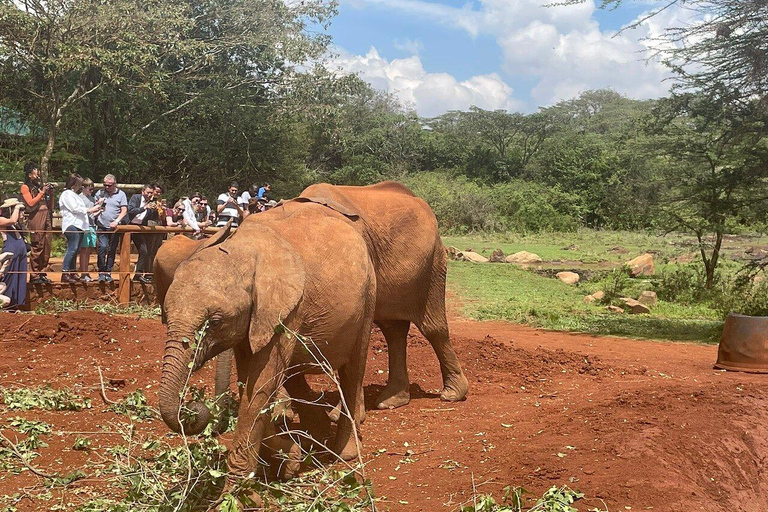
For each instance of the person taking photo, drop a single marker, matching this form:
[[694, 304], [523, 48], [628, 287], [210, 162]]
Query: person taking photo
[[38, 198]]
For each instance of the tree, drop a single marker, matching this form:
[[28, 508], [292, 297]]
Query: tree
[[150, 62], [716, 170], [724, 47]]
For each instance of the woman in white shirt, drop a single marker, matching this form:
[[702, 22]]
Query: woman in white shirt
[[74, 224]]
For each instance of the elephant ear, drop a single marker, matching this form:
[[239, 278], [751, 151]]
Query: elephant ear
[[277, 289], [219, 237]]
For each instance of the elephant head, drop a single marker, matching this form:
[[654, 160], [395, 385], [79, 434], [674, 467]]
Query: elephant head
[[176, 251], [222, 297]]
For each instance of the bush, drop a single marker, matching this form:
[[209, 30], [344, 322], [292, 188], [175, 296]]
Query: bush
[[462, 205], [743, 295], [615, 285], [685, 284]]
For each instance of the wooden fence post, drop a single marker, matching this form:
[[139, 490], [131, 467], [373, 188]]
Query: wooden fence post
[[124, 287]]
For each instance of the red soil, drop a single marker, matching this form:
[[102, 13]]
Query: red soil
[[640, 424]]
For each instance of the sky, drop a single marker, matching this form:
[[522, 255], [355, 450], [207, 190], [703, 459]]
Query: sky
[[515, 55]]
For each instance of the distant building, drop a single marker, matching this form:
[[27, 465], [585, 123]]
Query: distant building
[[11, 123]]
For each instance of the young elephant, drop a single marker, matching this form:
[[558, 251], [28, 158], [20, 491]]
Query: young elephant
[[302, 266]]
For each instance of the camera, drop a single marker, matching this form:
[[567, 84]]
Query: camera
[[50, 186]]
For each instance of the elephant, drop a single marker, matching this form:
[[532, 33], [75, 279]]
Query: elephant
[[410, 261], [409, 258], [302, 268]]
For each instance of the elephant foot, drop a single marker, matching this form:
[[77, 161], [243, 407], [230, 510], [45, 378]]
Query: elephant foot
[[392, 398], [455, 389], [282, 455], [349, 450], [335, 413]]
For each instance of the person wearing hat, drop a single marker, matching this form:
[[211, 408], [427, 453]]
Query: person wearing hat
[[15, 274]]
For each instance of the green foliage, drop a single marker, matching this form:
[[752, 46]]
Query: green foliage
[[507, 292], [54, 305], [742, 294], [81, 444], [684, 283], [135, 406], [615, 285], [26, 449], [465, 206], [555, 499], [45, 398]]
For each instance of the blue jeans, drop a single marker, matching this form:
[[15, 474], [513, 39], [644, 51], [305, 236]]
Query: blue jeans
[[74, 236], [107, 243]]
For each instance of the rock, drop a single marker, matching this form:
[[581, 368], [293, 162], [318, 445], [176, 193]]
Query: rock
[[635, 307], [497, 256], [615, 309], [642, 265], [452, 253], [472, 256], [568, 277], [598, 295], [572, 247], [648, 298], [619, 250], [524, 257]]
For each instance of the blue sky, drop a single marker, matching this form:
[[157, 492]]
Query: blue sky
[[437, 55]]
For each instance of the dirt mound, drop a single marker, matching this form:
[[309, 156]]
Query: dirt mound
[[636, 424]]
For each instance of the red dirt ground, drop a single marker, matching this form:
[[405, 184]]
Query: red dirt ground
[[639, 425]]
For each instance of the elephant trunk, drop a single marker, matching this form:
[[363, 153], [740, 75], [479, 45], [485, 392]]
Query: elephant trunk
[[176, 368]]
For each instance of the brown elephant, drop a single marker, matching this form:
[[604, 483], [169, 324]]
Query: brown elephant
[[409, 257], [303, 266]]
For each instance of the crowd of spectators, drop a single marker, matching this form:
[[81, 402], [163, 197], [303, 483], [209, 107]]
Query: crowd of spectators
[[89, 220]]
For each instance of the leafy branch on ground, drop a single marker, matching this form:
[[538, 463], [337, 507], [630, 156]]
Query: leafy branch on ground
[[555, 499], [45, 398], [54, 305], [135, 406]]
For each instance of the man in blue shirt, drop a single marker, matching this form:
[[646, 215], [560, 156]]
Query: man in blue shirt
[[115, 207], [263, 191]]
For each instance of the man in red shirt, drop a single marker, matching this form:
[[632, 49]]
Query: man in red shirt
[[39, 200]]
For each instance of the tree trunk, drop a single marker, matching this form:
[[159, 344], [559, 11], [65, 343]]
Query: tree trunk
[[45, 161], [713, 259]]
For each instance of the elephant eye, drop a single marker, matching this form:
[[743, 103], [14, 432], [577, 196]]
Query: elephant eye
[[215, 319]]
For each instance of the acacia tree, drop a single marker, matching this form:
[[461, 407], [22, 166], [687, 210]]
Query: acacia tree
[[715, 172]]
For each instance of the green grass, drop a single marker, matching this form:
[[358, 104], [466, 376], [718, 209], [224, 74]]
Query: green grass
[[507, 292], [594, 246]]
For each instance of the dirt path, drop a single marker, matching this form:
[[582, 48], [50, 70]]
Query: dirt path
[[640, 424]]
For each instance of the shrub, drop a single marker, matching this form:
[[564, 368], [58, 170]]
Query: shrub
[[743, 295], [461, 205], [685, 283]]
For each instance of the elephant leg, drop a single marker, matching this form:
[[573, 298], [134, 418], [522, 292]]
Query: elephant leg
[[351, 380], [264, 373], [313, 418], [223, 373], [455, 384], [396, 393]]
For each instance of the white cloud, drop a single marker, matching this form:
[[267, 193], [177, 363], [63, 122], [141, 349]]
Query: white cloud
[[410, 46], [430, 94], [464, 18], [562, 47]]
